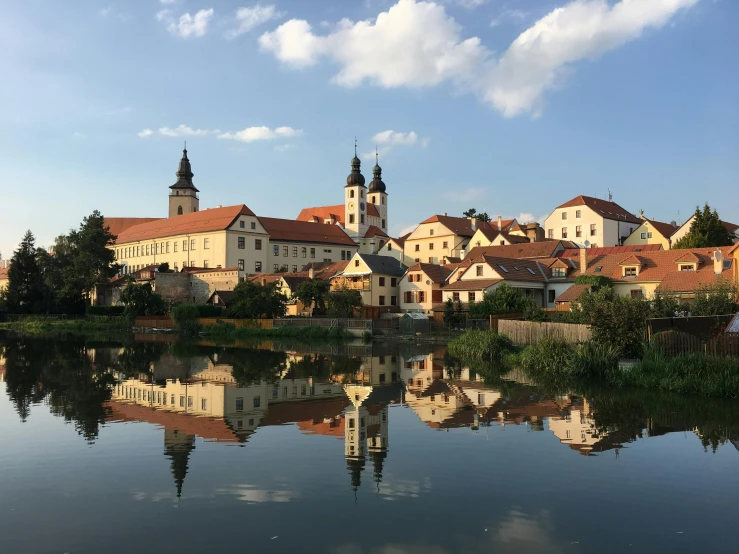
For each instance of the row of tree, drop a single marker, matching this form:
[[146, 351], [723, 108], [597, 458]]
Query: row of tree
[[62, 278]]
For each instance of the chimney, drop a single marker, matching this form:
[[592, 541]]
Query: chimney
[[473, 223], [500, 223], [461, 254], [583, 260], [311, 273], [444, 214], [718, 262]]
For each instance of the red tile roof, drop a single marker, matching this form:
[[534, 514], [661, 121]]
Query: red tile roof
[[572, 294], [546, 249], [463, 227], [303, 231], [664, 229], [472, 284], [689, 281], [4, 272], [320, 214], [117, 225], [602, 251], [374, 231], [632, 260], [731, 227], [324, 270], [515, 270], [688, 257], [604, 208], [216, 219], [436, 273]]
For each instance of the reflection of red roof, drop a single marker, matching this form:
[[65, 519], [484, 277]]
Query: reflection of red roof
[[207, 428], [311, 416], [604, 208], [215, 219]]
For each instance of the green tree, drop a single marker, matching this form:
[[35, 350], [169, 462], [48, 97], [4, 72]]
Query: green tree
[[705, 232], [164, 268], [253, 301], [342, 303], [25, 292], [503, 299], [140, 299], [313, 293], [718, 298], [450, 317], [480, 216], [665, 304]]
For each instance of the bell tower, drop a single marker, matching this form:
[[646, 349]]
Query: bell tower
[[377, 193], [183, 196], [355, 200]]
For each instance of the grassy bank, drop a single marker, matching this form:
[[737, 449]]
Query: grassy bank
[[227, 332], [557, 365], [96, 324]]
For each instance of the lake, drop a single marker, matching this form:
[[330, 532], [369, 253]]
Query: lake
[[149, 445]]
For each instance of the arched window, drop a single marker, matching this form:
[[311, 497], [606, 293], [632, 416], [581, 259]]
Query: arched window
[[351, 194], [179, 210]]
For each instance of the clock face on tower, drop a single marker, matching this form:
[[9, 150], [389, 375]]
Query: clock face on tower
[[351, 206], [361, 206]]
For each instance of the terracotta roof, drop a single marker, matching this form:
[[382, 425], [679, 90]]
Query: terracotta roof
[[117, 225], [688, 257], [664, 229], [545, 249], [437, 273], [216, 219], [572, 294], [493, 234], [320, 214], [452, 259], [375, 231], [224, 295], [689, 281], [731, 227], [602, 251], [472, 284], [632, 260], [4, 272], [463, 227], [324, 270], [604, 208], [303, 231], [515, 270], [265, 278]]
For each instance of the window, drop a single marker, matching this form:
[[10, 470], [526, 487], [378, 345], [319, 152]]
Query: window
[[205, 264], [184, 245], [688, 267], [637, 293], [431, 232], [175, 246], [361, 194], [257, 244], [382, 300], [351, 194], [479, 270], [175, 266], [393, 282], [393, 300], [592, 232], [471, 296], [182, 401], [431, 260], [417, 260], [643, 236], [383, 224], [295, 269], [389, 247], [343, 255], [455, 296], [242, 224], [276, 268], [253, 225], [351, 218], [551, 233], [578, 213], [356, 263], [578, 231], [551, 295], [285, 251], [168, 247], [257, 401], [179, 209], [147, 249], [564, 232], [192, 244], [418, 248], [431, 246], [240, 404], [190, 402], [258, 267], [407, 297], [206, 244], [304, 252], [241, 265], [559, 272], [445, 244], [203, 404], [361, 218], [629, 272], [564, 216], [382, 281], [242, 243], [649, 235], [275, 250], [295, 251]]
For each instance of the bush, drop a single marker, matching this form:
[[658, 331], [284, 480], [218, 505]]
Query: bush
[[142, 300], [105, 310], [504, 299], [184, 316], [481, 345], [208, 310]]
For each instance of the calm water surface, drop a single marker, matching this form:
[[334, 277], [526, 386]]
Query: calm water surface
[[156, 447]]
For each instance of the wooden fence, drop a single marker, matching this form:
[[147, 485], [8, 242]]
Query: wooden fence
[[675, 343], [238, 323], [523, 333]]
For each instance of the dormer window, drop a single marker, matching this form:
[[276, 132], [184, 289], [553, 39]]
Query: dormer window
[[630, 271], [687, 267], [559, 272]]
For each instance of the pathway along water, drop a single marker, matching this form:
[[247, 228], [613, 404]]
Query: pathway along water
[[156, 447]]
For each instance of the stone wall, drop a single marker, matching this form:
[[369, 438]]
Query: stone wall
[[204, 284], [174, 287]]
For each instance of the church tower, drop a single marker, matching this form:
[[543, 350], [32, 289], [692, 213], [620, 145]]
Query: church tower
[[183, 196], [377, 193], [355, 200]]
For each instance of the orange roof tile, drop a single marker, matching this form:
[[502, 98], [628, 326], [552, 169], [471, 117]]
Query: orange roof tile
[[546, 249], [374, 231], [689, 281], [304, 231], [463, 227], [436, 273], [664, 229], [572, 294], [216, 219], [602, 251], [472, 284], [632, 260], [604, 208], [320, 214], [688, 257], [4, 272], [117, 225]]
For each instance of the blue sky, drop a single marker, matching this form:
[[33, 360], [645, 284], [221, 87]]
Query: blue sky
[[512, 107]]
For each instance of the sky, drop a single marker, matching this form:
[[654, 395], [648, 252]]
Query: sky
[[508, 106]]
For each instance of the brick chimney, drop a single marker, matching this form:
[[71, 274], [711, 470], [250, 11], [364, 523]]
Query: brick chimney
[[473, 223], [311, 273], [718, 262], [583, 260], [500, 223]]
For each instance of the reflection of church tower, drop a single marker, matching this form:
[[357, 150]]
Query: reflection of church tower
[[355, 437], [177, 447], [378, 447]]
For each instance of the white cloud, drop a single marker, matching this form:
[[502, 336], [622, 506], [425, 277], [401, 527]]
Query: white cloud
[[416, 43], [251, 134], [187, 26], [392, 137], [145, 133], [469, 4], [167, 1], [517, 16], [185, 131], [250, 18]]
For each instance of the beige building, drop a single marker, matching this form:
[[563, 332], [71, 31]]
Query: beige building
[[421, 287], [683, 230], [376, 277], [591, 222], [3, 278], [652, 232]]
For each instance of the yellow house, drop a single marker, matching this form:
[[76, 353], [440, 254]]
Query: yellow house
[[652, 232], [376, 277], [421, 287]]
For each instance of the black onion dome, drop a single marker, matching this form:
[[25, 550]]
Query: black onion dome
[[376, 185], [355, 177]]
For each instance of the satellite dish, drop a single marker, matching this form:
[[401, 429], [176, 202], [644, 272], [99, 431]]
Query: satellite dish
[[428, 281], [587, 243]]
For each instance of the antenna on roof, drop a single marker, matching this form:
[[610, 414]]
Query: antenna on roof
[[610, 196], [377, 156], [185, 145], [355, 146]]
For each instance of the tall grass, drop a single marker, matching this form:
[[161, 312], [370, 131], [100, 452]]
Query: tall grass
[[228, 332], [481, 345]]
